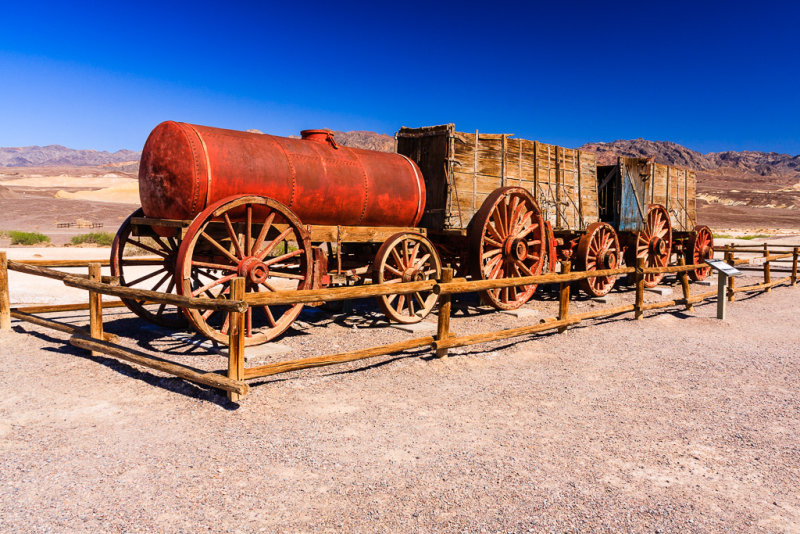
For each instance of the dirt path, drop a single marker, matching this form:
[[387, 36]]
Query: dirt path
[[676, 423]]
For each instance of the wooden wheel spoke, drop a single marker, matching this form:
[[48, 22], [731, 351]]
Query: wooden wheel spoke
[[148, 248], [219, 247], [270, 317], [524, 268], [262, 235], [163, 279], [522, 222], [248, 236], [421, 261], [412, 260], [286, 256], [268, 286], [146, 277], [215, 283], [498, 268], [419, 299], [272, 244], [491, 252], [527, 230], [234, 237], [397, 259], [393, 270], [489, 266], [282, 274], [209, 265], [492, 229], [492, 242]]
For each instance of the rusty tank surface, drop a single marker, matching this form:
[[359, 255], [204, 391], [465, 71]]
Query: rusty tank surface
[[185, 168]]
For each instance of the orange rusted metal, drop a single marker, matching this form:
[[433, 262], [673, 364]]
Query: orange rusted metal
[[185, 167]]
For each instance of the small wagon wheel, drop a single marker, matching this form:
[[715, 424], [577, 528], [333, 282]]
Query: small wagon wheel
[[128, 261], [407, 257], [256, 238], [598, 249], [507, 240], [653, 243], [699, 249]]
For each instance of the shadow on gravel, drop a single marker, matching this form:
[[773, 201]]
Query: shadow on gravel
[[172, 384]]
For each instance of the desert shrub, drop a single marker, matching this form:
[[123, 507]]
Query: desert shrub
[[26, 238], [104, 239], [755, 236]]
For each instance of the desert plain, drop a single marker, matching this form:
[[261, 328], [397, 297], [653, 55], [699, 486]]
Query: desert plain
[[680, 422]]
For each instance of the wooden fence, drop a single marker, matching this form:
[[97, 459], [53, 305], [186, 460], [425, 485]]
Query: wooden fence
[[234, 383]]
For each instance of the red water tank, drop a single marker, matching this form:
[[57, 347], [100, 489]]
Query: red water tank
[[185, 167]]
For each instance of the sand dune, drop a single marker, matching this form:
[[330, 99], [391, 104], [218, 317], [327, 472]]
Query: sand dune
[[126, 193]]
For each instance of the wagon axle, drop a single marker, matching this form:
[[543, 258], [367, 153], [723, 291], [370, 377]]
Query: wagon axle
[[254, 270]]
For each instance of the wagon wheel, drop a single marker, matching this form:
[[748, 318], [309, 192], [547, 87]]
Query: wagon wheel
[[598, 249], [507, 241], [407, 257], [256, 238], [701, 248], [653, 243], [135, 271]]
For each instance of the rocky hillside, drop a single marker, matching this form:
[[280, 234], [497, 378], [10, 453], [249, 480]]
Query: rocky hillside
[[38, 156], [366, 140], [761, 163]]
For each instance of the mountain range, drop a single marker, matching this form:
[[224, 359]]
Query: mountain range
[[669, 153], [750, 162], [57, 155]]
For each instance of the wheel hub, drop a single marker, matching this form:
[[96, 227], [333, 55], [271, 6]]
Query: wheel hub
[[253, 269], [706, 253], [412, 275], [607, 260], [515, 249], [658, 247]]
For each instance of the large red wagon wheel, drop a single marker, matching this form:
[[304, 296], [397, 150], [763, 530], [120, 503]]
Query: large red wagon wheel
[[256, 238], [134, 270], [507, 241], [699, 249], [598, 249], [653, 243], [407, 257]]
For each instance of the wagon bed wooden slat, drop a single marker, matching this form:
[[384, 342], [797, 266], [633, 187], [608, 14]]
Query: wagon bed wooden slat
[[461, 169]]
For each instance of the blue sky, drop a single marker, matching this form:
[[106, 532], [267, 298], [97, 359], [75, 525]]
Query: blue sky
[[710, 75]]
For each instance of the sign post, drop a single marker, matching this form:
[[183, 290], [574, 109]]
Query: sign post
[[723, 272]]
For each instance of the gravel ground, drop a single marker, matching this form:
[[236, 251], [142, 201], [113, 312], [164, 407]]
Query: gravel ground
[[676, 423]]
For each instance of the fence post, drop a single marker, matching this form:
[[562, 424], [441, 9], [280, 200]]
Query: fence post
[[95, 307], [236, 338], [445, 302], [563, 301], [729, 258], [639, 277], [5, 297], [795, 253], [767, 273], [684, 276]]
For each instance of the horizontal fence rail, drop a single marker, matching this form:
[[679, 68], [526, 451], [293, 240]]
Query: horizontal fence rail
[[95, 340]]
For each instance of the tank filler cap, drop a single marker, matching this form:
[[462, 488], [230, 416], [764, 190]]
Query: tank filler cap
[[320, 136]]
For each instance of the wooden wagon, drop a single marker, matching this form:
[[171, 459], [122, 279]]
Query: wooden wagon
[[462, 170], [596, 217], [653, 206]]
